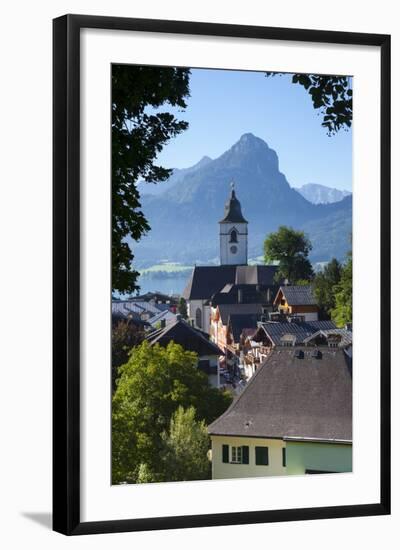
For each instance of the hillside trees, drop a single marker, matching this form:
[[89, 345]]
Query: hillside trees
[[291, 249], [152, 385], [139, 132]]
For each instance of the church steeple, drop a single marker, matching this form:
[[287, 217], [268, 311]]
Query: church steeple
[[233, 232], [233, 210]]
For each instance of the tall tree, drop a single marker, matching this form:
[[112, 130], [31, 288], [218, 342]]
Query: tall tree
[[343, 310], [182, 307], [125, 335], [139, 132], [331, 95], [291, 249], [152, 385], [324, 284], [183, 455]]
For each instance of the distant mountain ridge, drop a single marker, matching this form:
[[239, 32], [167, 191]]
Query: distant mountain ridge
[[177, 175], [321, 194], [184, 217]]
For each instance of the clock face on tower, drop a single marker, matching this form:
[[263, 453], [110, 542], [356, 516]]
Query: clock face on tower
[[233, 249]]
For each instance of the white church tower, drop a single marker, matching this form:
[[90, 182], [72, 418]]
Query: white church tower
[[233, 233]]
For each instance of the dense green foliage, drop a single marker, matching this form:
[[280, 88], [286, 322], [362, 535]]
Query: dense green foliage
[[124, 337], [183, 454], [153, 384], [139, 133], [343, 310], [331, 95], [291, 248], [324, 287]]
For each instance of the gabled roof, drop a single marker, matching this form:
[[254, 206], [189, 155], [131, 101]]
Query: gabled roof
[[187, 336], [233, 210], [239, 323], [226, 310], [206, 281], [301, 329], [306, 397], [135, 306], [298, 295]]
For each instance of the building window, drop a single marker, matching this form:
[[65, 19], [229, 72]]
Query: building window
[[284, 457], [198, 317], [233, 238], [236, 455], [261, 456]]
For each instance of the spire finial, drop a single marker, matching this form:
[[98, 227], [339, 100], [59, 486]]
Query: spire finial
[[232, 185]]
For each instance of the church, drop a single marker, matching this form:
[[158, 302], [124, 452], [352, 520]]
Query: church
[[233, 280]]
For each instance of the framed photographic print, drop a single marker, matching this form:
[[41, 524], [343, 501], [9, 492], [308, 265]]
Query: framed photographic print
[[221, 274]]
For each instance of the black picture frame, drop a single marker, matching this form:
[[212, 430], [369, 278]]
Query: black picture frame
[[66, 273]]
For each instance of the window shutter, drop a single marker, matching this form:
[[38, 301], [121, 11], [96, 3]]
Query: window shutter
[[225, 453], [284, 457], [245, 454]]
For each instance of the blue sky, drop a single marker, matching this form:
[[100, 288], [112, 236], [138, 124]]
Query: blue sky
[[226, 104]]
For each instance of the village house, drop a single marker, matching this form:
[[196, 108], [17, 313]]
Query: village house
[[286, 333], [297, 301], [233, 277], [293, 417], [191, 339]]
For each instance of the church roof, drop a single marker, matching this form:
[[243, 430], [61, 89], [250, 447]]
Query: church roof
[[294, 394], [233, 210], [206, 281]]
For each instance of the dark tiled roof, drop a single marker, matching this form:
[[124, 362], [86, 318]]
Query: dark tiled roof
[[345, 336], [185, 335], [255, 275], [301, 329], [206, 281], [233, 210], [250, 294], [240, 323], [299, 295], [226, 310], [308, 397]]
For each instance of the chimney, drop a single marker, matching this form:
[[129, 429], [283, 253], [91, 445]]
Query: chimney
[[162, 323], [240, 296]]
